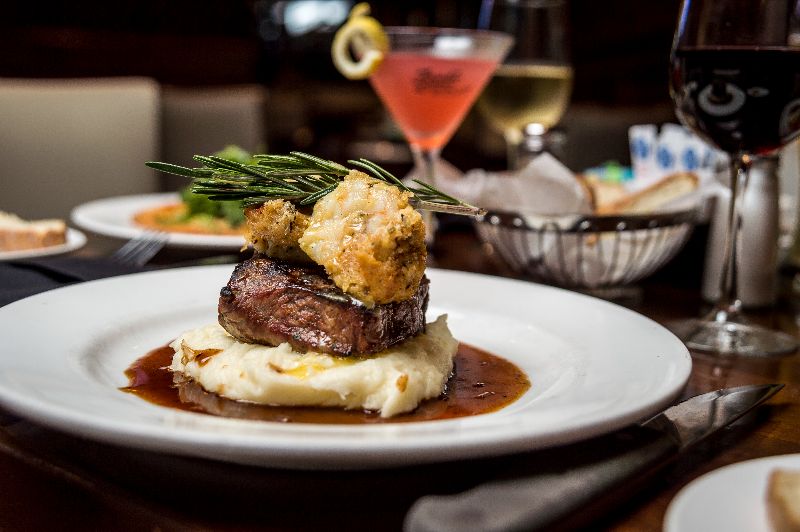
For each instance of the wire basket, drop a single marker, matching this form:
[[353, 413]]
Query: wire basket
[[586, 251]]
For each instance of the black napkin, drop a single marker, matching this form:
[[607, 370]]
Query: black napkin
[[23, 278]]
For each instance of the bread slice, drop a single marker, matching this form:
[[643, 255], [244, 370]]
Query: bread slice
[[603, 193], [783, 500], [17, 234], [654, 197]]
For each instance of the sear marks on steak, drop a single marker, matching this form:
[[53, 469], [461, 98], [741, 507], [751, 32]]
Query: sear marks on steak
[[269, 301]]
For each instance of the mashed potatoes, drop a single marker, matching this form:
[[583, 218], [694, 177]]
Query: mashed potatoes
[[392, 381]]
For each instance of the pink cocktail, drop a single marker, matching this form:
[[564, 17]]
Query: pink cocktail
[[429, 79], [428, 96]]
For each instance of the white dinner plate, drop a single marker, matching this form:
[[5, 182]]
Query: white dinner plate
[[731, 498], [74, 240], [594, 367], [114, 217]]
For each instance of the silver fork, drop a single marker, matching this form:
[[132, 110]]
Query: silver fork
[[139, 250]]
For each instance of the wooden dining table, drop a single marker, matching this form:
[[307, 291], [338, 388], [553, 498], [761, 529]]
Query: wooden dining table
[[54, 481]]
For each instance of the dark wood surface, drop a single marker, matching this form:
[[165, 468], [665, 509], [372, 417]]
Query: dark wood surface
[[54, 481]]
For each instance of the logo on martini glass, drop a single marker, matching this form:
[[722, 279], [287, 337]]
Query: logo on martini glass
[[447, 82]]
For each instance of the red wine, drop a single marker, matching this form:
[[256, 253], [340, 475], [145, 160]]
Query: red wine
[[740, 99]]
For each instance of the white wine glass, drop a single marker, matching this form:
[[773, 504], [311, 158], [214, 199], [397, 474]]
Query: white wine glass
[[736, 82], [532, 87]]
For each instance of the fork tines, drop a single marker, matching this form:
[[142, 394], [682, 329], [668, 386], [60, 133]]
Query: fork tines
[[138, 251]]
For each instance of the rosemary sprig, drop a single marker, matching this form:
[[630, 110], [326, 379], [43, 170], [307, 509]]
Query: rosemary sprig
[[298, 177]]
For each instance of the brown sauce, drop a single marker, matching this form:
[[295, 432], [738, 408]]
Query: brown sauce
[[481, 383]]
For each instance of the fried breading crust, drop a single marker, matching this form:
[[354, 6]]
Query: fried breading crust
[[274, 229]]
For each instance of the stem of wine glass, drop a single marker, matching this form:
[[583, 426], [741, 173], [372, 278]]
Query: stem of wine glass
[[522, 146], [425, 160], [728, 306], [513, 138]]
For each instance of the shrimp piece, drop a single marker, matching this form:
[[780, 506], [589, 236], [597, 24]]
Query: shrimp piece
[[368, 238]]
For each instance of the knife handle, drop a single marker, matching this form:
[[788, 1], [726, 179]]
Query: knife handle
[[552, 494]]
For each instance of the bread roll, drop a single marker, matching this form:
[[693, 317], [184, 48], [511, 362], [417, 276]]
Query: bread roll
[[17, 234]]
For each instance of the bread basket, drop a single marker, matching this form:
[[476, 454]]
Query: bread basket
[[586, 252]]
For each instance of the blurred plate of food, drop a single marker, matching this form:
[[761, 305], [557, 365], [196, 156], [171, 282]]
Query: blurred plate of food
[[188, 219], [24, 239]]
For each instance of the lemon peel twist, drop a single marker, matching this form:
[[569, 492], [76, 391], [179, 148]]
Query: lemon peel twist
[[365, 37]]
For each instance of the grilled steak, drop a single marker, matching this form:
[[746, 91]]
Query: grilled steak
[[270, 301]]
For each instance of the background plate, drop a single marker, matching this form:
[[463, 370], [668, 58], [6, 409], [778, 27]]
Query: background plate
[[594, 367], [114, 217], [731, 498]]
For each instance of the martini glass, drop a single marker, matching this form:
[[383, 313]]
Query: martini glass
[[429, 79]]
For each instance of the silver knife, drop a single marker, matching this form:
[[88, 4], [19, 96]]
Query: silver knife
[[553, 495]]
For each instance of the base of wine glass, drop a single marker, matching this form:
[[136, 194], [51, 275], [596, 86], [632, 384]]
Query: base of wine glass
[[733, 338]]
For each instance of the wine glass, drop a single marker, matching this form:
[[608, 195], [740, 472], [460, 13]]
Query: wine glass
[[429, 79], [735, 81], [531, 89]]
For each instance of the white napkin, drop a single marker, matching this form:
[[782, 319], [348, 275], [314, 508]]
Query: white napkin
[[544, 186]]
